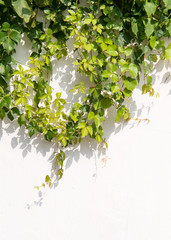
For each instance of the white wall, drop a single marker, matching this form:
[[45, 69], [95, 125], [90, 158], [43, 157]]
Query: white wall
[[128, 198]]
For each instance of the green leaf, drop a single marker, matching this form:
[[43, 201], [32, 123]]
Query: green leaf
[[3, 36], [149, 80], [149, 28], [81, 125], [106, 74], [87, 21], [98, 138], [127, 92], [23, 9], [15, 35], [115, 88], [120, 113], [21, 120], [106, 102], [111, 50], [153, 42], [114, 77], [97, 121], [74, 117], [10, 116], [112, 67], [47, 179], [103, 46], [2, 2], [130, 83], [88, 47], [2, 113], [31, 132], [6, 26], [167, 4], [9, 45], [133, 69], [15, 110], [2, 69], [134, 26], [7, 101], [90, 130], [30, 83], [168, 52], [84, 132], [124, 67], [49, 31], [128, 51], [109, 41], [64, 142], [18, 101], [90, 115], [169, 28], [150, 8]]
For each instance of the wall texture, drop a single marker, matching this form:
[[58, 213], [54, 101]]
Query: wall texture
[[125, 198]]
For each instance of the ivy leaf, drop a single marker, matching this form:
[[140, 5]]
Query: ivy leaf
[[133, 69], [127, 92], [120, 113], [64, 142], [2, 2], [169, 28], [167, 3], [134, 26], [106, 102], [111, 50], [84, 132], [81, 125], [153, 42], [6, 26], [9, 45], [130, 83], [168, 52], [23, 9], [90, 115], [3, 36], [106, 74], [149, 28], [112, 67], [10, 116], [2, 68], [15, 110], [31, 132], [2, 113], [149, 80], [90, 130], [98, 138], [150, 8], [15, 35], [97, 121], [115, 88], [7, 101], [18, 101], [128, 51]]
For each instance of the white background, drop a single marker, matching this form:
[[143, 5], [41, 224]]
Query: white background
[[126, 198]]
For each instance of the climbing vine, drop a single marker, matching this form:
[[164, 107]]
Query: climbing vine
[[115, 40]]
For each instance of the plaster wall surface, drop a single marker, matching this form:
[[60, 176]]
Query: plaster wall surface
[[125, 198]]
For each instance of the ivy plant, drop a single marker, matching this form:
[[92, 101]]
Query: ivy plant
[[115, 40]]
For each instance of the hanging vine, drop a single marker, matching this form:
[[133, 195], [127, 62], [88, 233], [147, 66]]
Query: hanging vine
[[114, 39]]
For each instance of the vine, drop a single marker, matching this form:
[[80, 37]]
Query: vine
[[115, 41]]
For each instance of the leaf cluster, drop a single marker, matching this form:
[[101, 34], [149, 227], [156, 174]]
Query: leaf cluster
[[115, 41]]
